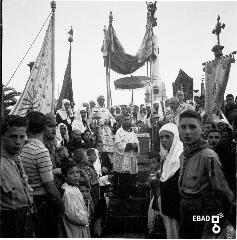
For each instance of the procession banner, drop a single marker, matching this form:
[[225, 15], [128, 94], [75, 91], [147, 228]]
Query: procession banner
[[216, 78], [37, 95]]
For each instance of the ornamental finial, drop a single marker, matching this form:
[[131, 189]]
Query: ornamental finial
[[53, 6], [217, 49], [217, 29], [151, 8], [70, 39], [110, 18]]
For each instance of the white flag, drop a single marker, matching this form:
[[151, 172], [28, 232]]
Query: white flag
[[37, 95]]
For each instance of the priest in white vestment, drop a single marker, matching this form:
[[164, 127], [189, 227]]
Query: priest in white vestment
[[126, 150]]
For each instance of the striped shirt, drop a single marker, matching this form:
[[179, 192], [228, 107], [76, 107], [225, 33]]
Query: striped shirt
[[37, 164]]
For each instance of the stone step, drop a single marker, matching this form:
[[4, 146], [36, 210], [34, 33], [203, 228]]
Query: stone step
[[126, 224], [128, 207]]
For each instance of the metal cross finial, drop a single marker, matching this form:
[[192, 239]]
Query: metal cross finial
[[217, 29], [70, 39], [110, 18], [53, 6]]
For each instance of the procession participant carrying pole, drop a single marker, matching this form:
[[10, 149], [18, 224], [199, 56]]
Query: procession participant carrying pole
[[53, 6]]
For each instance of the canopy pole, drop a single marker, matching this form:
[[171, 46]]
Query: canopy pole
[[132, 95], [151, 7], [53, 6]]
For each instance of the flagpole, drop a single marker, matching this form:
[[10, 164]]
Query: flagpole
[[53, 7], [109, 99], [106, 63]]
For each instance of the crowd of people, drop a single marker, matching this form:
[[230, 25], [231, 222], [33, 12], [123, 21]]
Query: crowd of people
[[58, 170]]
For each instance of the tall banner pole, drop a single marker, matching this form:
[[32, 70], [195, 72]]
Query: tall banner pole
[[107, 80], [109, 99], [106, 49], [53, 6]]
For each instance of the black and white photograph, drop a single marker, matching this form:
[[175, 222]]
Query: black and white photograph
[[118, 119]]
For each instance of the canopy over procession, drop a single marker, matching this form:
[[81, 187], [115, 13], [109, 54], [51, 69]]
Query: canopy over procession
[[137, 170]]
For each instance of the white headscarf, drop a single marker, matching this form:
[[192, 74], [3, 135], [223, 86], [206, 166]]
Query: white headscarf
[[77, 121], [62, 112], [171, 159], [59, 136]]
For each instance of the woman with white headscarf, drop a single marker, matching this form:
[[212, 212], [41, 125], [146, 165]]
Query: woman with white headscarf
[[77, 122], [170, 149], [62, 136], [65, 115]]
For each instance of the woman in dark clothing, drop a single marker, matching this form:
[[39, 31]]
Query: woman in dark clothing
[[170, 150]]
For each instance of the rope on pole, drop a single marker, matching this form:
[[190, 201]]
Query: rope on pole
[[27, 52]]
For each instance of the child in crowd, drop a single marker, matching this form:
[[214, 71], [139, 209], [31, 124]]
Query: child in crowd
[[84, 187], [90, 170], [76, 218], [63, 154], [155, 222], [99, 203], [106, 165]]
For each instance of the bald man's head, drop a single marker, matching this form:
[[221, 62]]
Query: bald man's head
[[174, 103]]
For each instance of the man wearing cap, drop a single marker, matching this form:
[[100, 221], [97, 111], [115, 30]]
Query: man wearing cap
[[104, 120], [50, 139]]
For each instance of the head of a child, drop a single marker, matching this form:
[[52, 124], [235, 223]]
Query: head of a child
[[79, 157], [62, 152], [85, 190], [87, 135], [91, 154], [71, 173], [154, 163], [100, 146]]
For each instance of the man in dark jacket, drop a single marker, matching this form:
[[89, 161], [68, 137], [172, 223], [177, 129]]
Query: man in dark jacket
[[75, 142], [203, 188]]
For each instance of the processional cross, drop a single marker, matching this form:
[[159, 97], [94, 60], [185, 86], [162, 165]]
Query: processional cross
[[217, 29], [217, 49]]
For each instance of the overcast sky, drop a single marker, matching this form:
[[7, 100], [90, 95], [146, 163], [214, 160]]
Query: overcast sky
[[184, 33]]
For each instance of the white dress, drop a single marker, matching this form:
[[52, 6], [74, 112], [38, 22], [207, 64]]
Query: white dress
[[76, 219]]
